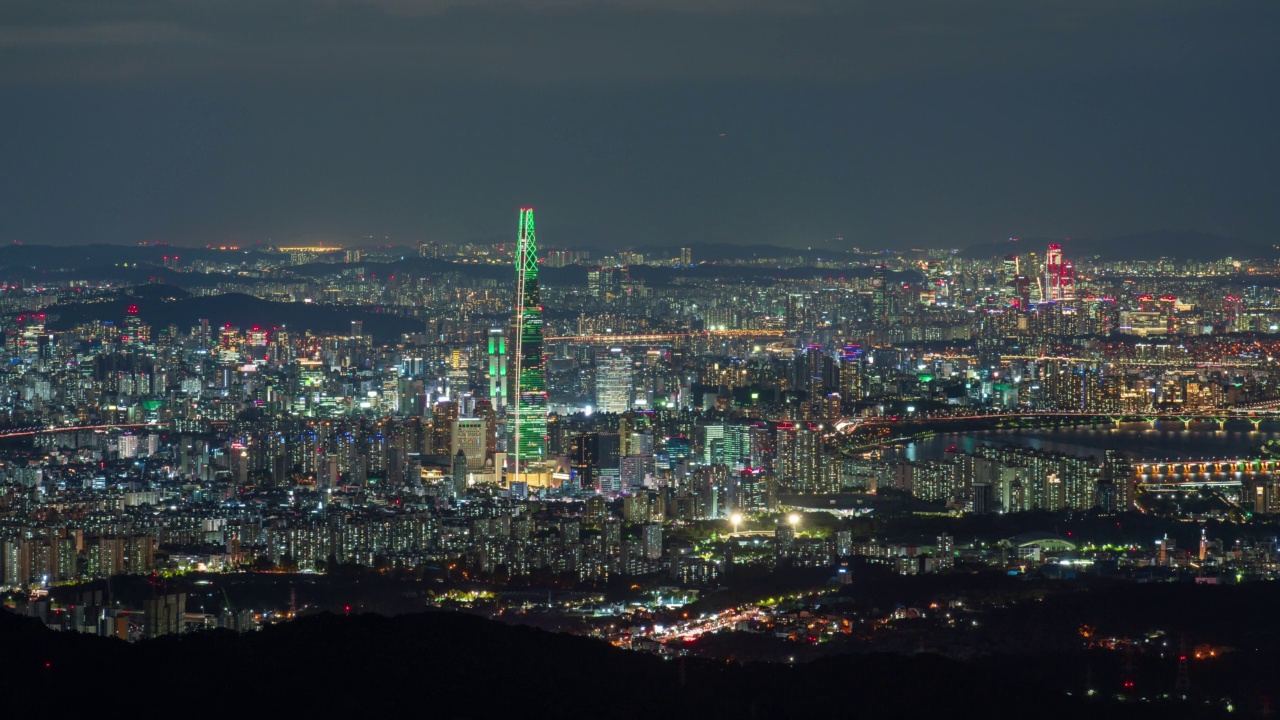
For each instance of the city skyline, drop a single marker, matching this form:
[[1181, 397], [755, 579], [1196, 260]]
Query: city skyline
[[903, 358], [778, 461]]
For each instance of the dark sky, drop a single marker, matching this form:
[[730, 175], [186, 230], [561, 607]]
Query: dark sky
[[626, 122]]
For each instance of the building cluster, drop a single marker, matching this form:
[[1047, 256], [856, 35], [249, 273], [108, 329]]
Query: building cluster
[[1017, 479], [561, 419]]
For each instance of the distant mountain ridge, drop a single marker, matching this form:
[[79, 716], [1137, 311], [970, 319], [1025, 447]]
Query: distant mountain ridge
[[442, 665], [713, 252], [1182, 245], [160, 306]]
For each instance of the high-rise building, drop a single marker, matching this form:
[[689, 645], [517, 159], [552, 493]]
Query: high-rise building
[[1052, 271], [1035, 273], [136, 332], [801, 462], [813, 368], [849, 372], [497, 370], [608, 462], [460, 469], [1117, 489], [1011, 270], [1067, 281], [686, 257], [613, 382], [879, 293], [442, 416], [582, 460], [127, 446], [602, 282], [484, 410], [469, 437], [634, 470], [651, 537], [528, 395], [1059, 275]]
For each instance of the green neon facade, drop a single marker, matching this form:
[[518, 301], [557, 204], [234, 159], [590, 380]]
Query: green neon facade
[[528, 429]]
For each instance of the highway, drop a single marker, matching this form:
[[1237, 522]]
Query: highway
[[605, 338], [32, 430]]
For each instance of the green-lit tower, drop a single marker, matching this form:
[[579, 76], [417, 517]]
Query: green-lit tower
[[527, 427]]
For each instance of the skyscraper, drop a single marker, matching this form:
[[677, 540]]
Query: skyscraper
[[136, 331], [1052, 272], [469, 437], [879, 290], [497, 372], [1011, 269], [1035, 272], [811, 369], [528, 398], [1059, 275], [613, 382]]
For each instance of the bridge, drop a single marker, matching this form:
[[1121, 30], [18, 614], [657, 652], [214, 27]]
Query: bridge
[[1256, 414], [1177, 362], [1204, 468], [645, 338], [38, 430], [1175, 475]]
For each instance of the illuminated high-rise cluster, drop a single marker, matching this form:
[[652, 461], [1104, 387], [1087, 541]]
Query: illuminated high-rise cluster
[[1059, 275], [528, 425]]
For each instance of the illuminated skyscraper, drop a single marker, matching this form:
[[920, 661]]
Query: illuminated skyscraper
[[135, 330], [1053, 272], [1059, 275], [1035, 272], [613, 382], [497, 372], [1011, 269], [879, 291], [468, 436], [528, 397]]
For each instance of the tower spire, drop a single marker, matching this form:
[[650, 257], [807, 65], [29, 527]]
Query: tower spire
[[528, 446]]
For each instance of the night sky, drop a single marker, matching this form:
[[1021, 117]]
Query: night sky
[[634, 122]]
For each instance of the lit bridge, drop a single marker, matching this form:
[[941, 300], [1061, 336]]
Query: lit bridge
[[1200, 468], [1174, 475], [1255, 414], [38, 430], [1174, 362], [623, 339]]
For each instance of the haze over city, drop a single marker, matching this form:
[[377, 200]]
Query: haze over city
[[631, 122]]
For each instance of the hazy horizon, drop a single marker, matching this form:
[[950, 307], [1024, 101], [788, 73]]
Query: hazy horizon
[[636, 122]]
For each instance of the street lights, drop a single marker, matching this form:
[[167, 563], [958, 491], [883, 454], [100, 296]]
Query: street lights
[[735, 519], [794, 519]]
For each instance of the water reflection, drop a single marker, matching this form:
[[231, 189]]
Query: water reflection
[[1134, 440]]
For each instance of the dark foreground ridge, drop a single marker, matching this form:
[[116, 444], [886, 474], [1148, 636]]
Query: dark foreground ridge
[[459, 666]]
